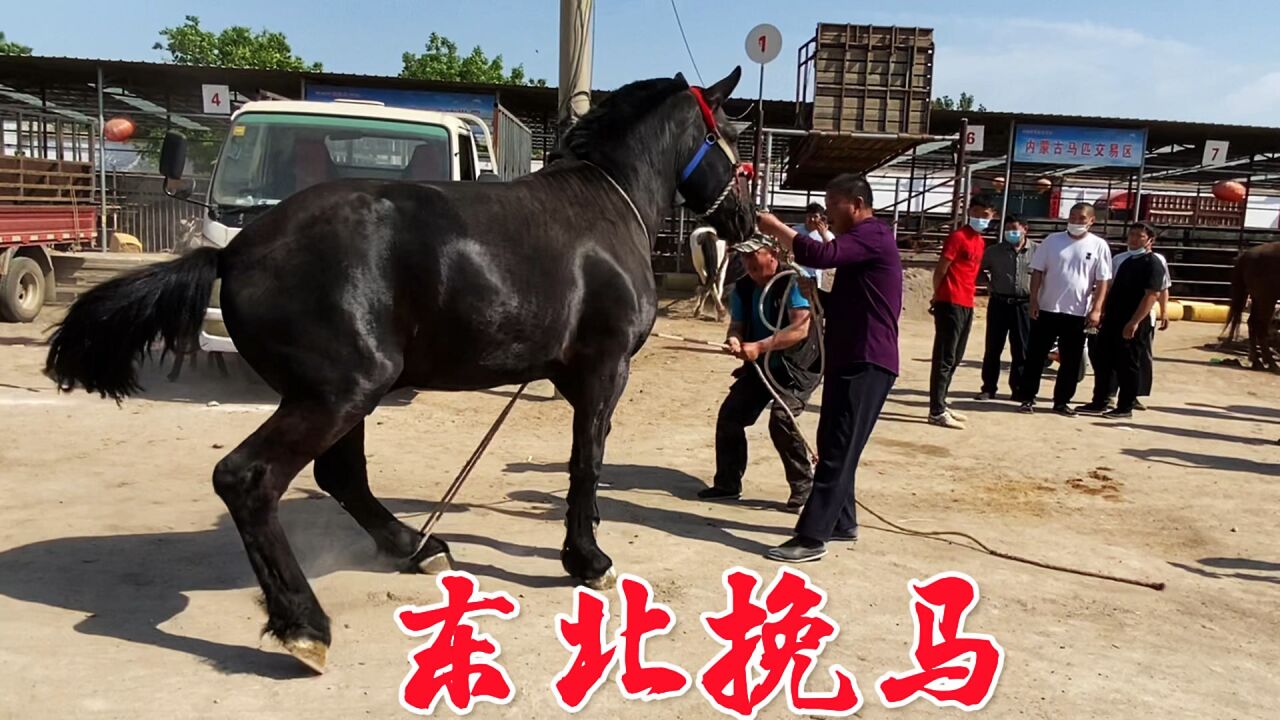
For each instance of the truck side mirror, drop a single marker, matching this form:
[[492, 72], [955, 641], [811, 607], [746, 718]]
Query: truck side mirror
[[173, 155]]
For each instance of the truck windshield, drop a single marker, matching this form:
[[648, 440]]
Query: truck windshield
[[270, 156]]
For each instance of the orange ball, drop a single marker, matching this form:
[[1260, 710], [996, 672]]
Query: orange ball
[[118, 129], [1229, 191]]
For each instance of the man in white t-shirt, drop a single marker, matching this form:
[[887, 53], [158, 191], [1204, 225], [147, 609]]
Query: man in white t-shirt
[[1069, 275], [815, 226]]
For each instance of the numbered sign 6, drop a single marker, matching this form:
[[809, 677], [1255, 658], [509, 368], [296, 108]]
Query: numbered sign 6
[[973, 140], [764, 42]]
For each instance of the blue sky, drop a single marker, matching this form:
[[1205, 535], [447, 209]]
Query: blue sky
[[1171, 59]]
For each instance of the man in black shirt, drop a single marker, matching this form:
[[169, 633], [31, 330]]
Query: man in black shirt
[[1124, 338], [1008, 267]]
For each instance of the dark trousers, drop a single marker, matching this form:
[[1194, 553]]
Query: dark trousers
[[1148, 361], [1068, 332], [1008, 318], [747, 398], [951, 325], [851, 404], [1118, 363]]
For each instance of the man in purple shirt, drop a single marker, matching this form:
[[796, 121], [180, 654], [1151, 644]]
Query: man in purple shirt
[[861, 335]]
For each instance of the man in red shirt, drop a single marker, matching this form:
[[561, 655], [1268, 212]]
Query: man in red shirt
[[954, 286]]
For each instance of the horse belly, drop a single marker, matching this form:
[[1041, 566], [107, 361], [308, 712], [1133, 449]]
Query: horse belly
[[481, 350]]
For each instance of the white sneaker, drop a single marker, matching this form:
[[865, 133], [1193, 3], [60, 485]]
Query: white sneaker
[[958, 416], [946, 420]]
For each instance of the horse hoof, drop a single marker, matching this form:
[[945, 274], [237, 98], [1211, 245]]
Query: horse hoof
[[605, 582], [436, 564], [309, 652]]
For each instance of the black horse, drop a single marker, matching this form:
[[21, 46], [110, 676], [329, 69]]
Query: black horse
[[349, 290]]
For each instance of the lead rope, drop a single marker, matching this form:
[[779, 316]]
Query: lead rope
[[470, 465], [766, 377]]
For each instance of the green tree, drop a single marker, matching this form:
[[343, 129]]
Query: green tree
[[236, 46], [9, 47], [966, 103], [202, 147], [442, 62]]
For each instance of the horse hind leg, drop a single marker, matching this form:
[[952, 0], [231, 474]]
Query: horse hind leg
[[342, 472], [250, 482], [1260, 317]]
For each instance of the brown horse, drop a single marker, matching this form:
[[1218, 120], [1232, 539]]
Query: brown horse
[[1256, 275]]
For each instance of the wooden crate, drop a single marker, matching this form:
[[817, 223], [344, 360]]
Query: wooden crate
[[869, 78], [26, 180], [1191, 211]]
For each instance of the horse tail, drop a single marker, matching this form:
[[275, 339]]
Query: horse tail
[[113, 324], [1239, 296]]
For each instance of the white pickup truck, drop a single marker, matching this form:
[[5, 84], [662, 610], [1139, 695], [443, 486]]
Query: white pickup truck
[[276, 148]]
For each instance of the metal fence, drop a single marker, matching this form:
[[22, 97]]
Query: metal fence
[[161, 223]]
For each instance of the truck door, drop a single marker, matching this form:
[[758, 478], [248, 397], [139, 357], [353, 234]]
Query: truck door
[[467, 161]]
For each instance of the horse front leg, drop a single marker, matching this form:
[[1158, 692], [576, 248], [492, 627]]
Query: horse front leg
[[594, 394]]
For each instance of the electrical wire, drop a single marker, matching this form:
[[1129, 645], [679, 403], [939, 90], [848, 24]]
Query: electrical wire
[[686, 43]]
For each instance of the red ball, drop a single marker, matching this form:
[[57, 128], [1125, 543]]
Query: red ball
[[118, 129], [1229, 191]]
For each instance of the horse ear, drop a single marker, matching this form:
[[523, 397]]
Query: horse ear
[[718, 93], [680, 77]]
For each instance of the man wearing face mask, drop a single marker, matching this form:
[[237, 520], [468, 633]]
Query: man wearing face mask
[[861, 334], [815, 226], [955, 281], [1069, 274], [1123, 343], [1008, 268]]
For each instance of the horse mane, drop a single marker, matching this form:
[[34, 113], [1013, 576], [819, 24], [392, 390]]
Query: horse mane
[[617, 115]]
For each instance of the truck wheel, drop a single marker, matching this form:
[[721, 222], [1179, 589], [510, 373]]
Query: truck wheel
[[21, 291]]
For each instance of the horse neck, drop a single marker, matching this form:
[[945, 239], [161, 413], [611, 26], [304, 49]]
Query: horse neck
[[647, 175]]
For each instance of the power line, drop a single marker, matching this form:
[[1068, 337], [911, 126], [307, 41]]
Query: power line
[[686, 42]]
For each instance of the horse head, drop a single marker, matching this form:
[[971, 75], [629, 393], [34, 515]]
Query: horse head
[[665, 141], [713, 182]]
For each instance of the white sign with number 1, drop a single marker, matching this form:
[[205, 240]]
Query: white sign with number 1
[[217, 99], [764, 42]]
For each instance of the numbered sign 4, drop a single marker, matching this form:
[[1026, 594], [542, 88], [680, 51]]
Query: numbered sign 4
[[217, 99], [764, 42]]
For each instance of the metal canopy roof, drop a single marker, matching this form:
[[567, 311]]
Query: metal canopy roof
[[1174, 149], [820, 156]]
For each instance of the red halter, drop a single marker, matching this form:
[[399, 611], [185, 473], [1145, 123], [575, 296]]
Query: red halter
[[708, 116]]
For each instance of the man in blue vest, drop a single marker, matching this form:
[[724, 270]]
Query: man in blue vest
[[791, 354]]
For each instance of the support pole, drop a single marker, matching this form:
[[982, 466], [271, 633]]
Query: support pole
[[102, 164], [1008, 178], [759, 147], [1142, 167], [768, 184], [956, 198], [576, 19]]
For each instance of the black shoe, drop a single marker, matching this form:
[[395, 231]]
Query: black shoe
[[844, 536], [1093, 409], [1117, 414], [984, 396], [795, 505], [796, 550], [1064, 410], [715, 493], [1027, 408]]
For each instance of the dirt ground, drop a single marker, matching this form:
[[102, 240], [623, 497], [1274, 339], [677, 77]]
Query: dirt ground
[[125, 592]]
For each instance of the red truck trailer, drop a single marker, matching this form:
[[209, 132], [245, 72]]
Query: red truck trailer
[[46, 204]]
